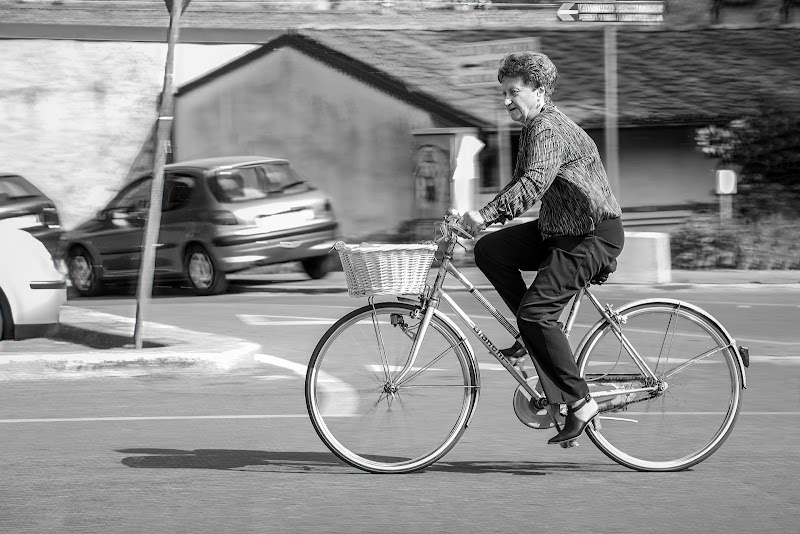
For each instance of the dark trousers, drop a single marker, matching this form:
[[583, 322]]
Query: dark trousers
[[565, 264]]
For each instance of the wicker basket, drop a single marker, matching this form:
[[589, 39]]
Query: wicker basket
[[385, 269]]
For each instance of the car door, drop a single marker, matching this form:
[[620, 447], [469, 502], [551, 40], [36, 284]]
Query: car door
[[120, 237], [175, 222]]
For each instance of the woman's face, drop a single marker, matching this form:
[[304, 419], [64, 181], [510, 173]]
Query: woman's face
[[521, 100]]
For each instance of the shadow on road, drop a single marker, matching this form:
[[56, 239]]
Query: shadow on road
[[323, 462]]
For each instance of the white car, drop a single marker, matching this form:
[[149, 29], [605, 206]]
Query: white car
[[32, 288]]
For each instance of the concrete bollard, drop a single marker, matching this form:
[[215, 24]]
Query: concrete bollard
[[645, 259]]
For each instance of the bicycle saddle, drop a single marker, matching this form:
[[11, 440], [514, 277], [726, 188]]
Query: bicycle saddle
[[602, 276]]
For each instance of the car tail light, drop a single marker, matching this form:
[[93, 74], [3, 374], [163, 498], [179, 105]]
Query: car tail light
[[222, 217], [50, 217]]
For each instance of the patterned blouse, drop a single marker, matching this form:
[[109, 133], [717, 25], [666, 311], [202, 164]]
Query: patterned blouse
[[557, 163]]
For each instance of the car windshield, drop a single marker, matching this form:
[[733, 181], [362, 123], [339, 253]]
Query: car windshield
[[255, 182], [16, 187]]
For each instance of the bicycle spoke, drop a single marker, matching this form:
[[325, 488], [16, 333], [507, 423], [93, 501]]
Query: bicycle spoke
[[696, 359], [381, 347], [682, 413], [432, 362], [392, 427]]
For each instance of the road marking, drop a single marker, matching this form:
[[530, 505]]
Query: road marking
[[490, 366], [281, 320], [780, 360], [293, 416], [275, 377], [396, 368], [341, 397], [151, 418]]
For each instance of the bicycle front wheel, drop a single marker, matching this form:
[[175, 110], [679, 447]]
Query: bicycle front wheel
[[371, 407], [680, 417]]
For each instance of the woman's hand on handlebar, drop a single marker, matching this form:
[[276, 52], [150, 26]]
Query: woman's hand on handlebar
[[472, 222]]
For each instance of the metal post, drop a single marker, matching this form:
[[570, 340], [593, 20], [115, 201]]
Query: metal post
[[503, 150], [725, 208], [611, 122], [144, 289]]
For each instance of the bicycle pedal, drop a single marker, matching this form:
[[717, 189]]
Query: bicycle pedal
[[569, 444]]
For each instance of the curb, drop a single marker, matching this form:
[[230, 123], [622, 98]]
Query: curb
[[102, 346]]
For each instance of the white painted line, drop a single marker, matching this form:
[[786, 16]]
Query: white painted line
[[626, 412], [375, 368], [341, 396], [150, 418], [293, 416], [281, 320], [766, 341], [275, 377], [780, 360], [490, 367]]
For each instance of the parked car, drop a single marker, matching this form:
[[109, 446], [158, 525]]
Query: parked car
[[219, 216], [23, 206], [32, 288]]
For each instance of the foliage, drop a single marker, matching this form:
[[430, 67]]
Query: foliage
[[765, 149], [769, 243]]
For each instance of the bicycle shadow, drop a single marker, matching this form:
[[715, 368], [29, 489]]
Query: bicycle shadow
[[327, 463]]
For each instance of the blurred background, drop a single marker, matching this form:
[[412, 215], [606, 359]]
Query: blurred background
[[394, 110]]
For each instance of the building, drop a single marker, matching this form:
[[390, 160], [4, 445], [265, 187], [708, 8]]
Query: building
[[377, 117]]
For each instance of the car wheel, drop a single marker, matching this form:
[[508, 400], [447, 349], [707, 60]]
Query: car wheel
[[85, 278], [6, 321], [202, 272], [316, 267]]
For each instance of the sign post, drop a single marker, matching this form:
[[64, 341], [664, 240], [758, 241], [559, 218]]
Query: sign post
[[725, 187], [144, 289], [609, 13]]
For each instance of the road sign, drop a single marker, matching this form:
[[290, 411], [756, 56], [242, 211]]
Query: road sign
[[636, 12]]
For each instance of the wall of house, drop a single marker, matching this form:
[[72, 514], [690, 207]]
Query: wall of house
[[74, 114], [662, 167], [351, 139]]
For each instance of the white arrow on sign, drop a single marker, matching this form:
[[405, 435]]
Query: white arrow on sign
[[565, 12]]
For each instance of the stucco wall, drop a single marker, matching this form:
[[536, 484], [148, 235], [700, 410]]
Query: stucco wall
[[74, 114], [350, 139], [661, 167], [664, 167]]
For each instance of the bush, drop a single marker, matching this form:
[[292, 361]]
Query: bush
[[768, 244]]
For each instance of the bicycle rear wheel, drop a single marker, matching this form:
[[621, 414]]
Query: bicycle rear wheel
[[693, 403], [364, 414]]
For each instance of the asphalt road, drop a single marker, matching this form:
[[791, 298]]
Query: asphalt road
[[181, 451]]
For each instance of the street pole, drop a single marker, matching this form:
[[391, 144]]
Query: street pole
[[611, 120], [144, 289]]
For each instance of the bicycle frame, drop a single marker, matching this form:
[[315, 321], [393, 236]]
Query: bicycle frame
[[436, 294]]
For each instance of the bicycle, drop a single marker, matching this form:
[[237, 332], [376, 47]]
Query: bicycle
[[392, 386]]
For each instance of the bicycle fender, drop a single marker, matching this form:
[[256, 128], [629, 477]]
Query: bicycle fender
[[682, 304], [473, 361]]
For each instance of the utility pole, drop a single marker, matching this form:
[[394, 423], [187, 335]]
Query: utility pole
[[612, 109], [144, 289]]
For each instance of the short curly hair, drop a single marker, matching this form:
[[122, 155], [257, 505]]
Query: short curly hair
[[534, 68]]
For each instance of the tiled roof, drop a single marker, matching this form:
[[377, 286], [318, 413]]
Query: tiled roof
[[664, 76]]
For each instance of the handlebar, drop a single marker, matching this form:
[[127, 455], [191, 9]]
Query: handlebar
[[450, 229]]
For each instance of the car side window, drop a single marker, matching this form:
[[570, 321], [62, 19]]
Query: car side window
[[135, 197], [178, 191]]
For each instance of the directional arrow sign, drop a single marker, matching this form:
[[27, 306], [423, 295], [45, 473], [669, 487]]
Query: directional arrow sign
[[566, 11], [636, 12]]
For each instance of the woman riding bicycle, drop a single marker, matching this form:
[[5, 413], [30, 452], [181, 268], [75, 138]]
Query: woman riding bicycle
[[577, 234]]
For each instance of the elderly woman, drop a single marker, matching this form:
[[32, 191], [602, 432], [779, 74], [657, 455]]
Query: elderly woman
[[577, 234]]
